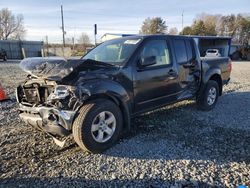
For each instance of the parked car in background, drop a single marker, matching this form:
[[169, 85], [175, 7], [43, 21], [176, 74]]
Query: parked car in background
[[95, 97], [3, 54], [213, 53]]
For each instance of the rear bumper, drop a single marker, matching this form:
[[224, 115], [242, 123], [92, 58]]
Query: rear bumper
[[51, 120]]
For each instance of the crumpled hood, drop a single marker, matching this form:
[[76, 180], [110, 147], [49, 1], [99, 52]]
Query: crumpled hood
[[57, 68]]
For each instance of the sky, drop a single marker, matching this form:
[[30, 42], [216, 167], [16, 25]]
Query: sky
[[43, 17]]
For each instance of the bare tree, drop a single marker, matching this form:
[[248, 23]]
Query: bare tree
[[84, 39], [69, 41], [173, 31], [153, 26], [204, 24], [11, 26], [236, 26]]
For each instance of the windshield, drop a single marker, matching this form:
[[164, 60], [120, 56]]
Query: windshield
[[115, 52]]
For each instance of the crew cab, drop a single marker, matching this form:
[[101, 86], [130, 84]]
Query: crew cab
[[95, 97]]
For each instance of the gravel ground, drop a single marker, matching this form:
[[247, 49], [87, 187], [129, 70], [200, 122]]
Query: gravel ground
[[176, 146]]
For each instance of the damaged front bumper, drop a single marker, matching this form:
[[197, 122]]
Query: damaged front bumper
[[48, 119]]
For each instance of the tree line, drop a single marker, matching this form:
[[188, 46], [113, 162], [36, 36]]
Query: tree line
[[235, 26]]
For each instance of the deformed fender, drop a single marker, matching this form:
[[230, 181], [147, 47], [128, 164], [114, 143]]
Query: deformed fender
[[107, 89], [209, 73]]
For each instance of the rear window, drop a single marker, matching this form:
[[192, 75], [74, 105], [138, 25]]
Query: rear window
[[180, 50]]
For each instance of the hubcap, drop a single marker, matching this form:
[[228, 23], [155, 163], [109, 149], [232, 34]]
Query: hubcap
[[103, 126], [211, 96]]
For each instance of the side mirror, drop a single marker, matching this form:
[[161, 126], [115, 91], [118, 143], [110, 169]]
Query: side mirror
[[144, 62]]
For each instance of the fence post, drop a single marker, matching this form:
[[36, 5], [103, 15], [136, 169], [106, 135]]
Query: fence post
[[23, 53]]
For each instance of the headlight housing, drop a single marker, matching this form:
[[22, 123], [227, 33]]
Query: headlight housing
[[60, 92]]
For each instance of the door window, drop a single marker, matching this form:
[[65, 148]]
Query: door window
[[180, 50], [159, 49], [189, 48]]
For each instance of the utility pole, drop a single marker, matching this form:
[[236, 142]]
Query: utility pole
[[182, 20], [73, 42], [63, 26], [95, 32], [47, 45]]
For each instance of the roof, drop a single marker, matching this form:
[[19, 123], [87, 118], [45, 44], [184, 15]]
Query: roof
[[176, 36], [208, 37], [119, 34]]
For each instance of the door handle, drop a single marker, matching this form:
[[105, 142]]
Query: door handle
[[171, 75], [171, 72], [190, 64]]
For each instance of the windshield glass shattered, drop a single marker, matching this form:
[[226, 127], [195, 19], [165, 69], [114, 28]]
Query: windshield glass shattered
[[114, 52], [50, 67]]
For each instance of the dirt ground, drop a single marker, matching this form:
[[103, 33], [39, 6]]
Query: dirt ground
[[176, 146]]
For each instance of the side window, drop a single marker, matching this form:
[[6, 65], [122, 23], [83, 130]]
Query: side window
[[159, 49], [180, 50], [190, 54]]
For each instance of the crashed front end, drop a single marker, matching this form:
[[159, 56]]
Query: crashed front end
[[47, 106], [45, 103]]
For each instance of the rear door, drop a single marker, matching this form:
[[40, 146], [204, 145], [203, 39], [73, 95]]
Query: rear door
[[187, 65]]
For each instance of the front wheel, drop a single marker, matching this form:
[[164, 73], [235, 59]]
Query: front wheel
[[97, 126], [208, 97]]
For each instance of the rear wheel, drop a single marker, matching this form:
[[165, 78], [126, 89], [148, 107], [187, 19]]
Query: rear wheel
[[208, 96], [98, 125]]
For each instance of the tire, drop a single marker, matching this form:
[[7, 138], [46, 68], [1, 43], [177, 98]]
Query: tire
[[5, 58], [206, 100], [89, 118]]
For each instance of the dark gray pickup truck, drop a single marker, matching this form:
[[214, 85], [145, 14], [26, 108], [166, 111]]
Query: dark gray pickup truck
[[95, 97]]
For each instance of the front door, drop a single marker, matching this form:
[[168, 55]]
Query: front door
[[156, 84]]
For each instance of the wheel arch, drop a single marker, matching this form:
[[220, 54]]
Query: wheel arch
[[123, 107], [215, 75], [109, 90], [217, 78]]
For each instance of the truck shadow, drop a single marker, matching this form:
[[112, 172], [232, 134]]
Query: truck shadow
[[183, 132], [82, 182]]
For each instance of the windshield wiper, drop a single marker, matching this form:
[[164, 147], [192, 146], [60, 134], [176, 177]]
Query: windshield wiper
[[101, 63]]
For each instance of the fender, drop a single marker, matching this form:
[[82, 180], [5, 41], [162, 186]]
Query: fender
[[209, 73], [110, 89]]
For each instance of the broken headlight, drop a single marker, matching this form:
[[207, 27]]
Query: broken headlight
[[60, 92]]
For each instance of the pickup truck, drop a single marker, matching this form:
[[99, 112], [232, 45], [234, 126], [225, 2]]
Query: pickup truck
[[94, 98], [212, 53]]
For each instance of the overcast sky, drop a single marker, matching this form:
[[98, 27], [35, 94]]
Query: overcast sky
[[42, 17]]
